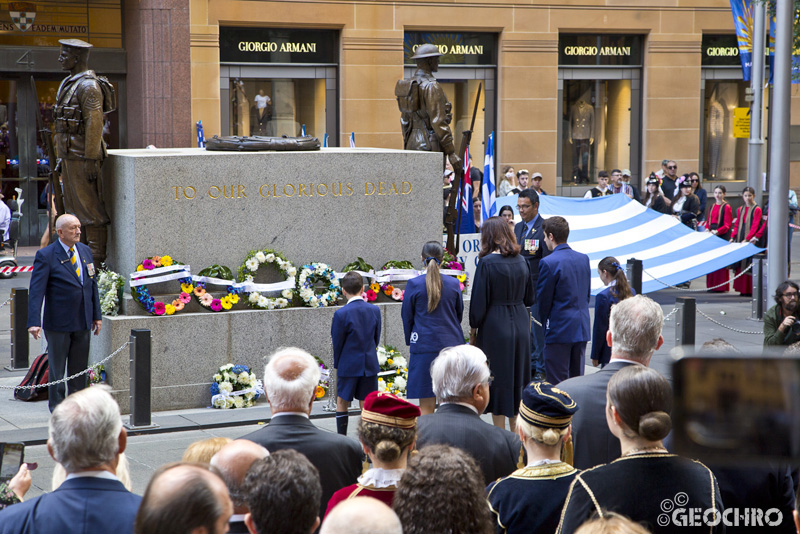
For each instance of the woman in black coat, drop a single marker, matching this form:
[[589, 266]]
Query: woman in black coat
[[499, 319], [653, 198], [686, 205]]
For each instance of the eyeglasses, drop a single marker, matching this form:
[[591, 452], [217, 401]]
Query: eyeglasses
[[792, 295], [695, 181], [672, 167]]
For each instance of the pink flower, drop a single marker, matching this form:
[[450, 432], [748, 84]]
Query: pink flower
[[397, 294], [206, 300], [371, 295], [159, 308], [461, 286], [216, 305], [184, 297], [147, 264], [364, 296], [455, 265]]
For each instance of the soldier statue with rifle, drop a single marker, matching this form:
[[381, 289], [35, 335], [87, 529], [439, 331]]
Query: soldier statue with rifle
[[83, 98]]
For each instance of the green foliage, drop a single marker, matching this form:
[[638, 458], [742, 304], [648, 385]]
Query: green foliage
[[217, 271], [397, 264], [358, 265]]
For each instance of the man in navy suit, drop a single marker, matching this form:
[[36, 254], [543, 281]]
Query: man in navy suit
[[530, 238], [64, 276], [290, 378], [86, 437], [563, 294], [356, 332]]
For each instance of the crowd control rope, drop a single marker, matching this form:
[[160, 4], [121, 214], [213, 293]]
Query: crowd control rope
[[697, 290], [64, 380], [726, 326]]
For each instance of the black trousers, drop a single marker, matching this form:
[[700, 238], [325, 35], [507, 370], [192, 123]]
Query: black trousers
[[67, 352]]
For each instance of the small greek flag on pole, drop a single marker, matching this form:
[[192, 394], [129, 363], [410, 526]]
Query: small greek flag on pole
[[352, 139], [303, 130], [325, 141], [489, 204]]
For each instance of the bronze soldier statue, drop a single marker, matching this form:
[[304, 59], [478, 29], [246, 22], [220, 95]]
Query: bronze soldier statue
[[425, 112], [82, 99]]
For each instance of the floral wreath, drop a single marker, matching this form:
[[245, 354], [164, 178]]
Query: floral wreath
[[225, 302], [371, 294], [324, 379], [311, 274], [254, 260], [235, 386], [142, 293]]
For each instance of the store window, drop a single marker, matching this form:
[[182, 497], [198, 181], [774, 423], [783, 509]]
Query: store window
[[724, 154], [600, 95], [279, 82]]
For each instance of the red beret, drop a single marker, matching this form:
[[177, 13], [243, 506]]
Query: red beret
[[390, 410]]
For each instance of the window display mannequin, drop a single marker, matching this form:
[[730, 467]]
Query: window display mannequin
[[263, 103], [716, 129], [581, 136], [241, 108]]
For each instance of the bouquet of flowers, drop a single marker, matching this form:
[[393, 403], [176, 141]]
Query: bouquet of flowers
[[97, 374], [234, 386], [393, 375], [324, 380], [109, 284], [449, 262]]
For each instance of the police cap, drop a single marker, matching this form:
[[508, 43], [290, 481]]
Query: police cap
[[75, 43]]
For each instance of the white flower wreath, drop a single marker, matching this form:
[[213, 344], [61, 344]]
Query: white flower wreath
[[254, 260], [311, 274]]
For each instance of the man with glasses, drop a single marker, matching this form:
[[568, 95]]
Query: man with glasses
[[668, 182], [618, 186], [780, 322]]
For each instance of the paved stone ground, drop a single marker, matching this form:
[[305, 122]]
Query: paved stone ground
[[27, 422]]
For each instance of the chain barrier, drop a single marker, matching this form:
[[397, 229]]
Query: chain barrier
[[64, 380], [671, 313], [697, 290], [726, 326], [6, 302]]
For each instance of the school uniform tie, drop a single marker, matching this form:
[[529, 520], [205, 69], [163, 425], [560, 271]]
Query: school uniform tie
[[73, 260]]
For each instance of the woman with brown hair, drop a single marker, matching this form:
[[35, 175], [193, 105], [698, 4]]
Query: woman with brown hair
[[431, 312], [747, 228], [719, 222], [646, 480], [442, 491], [499, 319], [612, 275]]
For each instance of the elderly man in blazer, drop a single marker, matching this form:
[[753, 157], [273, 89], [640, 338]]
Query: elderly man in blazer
[[86, 437], [65, 278], [290, 380], [634, 335], [530, 238], [461, 379]]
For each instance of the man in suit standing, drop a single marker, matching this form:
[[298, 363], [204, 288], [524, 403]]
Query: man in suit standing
[[461, 379], [634, 335], [64, 276], [563, 294], [86, 437], [530, 238], [290, 380]]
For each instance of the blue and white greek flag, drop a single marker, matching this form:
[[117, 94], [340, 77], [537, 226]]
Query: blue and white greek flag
[[488, 195], [303, 130], [325, 141], [617, 226], [352, 139]]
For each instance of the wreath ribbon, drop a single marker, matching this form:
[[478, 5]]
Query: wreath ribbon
[[258, 389], [141, 278]]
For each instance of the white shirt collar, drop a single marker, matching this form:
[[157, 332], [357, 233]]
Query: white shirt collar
[[237, 518], [304, 414], [471, 407], [351, 299], [378, 477], [543, 462], [92, 474], [618, 359]]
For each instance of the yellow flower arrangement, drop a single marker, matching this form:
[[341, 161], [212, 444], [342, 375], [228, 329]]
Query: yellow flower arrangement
[[375, 287], [234, 298], [166, 261], [461, 278], [140, 267], [226, 303], [319, 392], [187, 288], [169, 309]]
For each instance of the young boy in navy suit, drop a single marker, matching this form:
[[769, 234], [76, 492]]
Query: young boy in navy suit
[[356, 332]]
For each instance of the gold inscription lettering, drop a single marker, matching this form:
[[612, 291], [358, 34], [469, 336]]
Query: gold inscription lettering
[[219, 192], [349, 189], [175, 187], [241, 192], [194, 192], [302, 191], [367, 190], [381, 186], [225, 191], [404, 188], [394, 190], [333, 189], [287, 194], [319, 189]]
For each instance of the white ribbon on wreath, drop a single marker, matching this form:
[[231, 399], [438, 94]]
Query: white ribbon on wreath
[[258, 389], [146, 277], [247, 286], [399, 275]]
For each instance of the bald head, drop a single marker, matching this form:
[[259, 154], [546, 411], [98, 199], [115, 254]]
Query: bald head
[[68, 228], [181, 498], [233, 460], [290, 379], [361, 515]]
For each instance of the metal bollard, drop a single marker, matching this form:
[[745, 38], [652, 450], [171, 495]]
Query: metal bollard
[[19, 329], [634, 273], [140, 379], [685, 321], [759, 303]]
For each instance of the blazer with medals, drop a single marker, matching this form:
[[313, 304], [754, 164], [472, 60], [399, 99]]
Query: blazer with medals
[[537, 235], [70, 305]]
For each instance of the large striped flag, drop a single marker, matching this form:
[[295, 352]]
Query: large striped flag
[[618, 226], [467, 225], [352, 139], [488, 196]]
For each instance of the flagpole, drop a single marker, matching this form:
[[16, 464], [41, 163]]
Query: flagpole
[[756, 143], [779, 147]]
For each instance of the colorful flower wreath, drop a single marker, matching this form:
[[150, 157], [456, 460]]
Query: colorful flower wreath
[[225, 302], [309, 276], [452, 263], [234, 386], [142, 293], [324, 379], [254, 260], [393, 374]]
